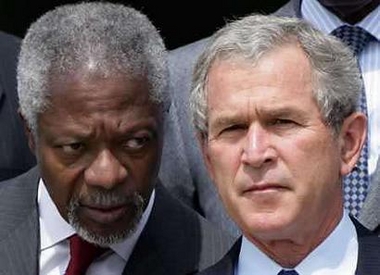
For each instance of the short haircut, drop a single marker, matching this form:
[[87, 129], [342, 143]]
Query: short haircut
[[335, 74], [112, 38]]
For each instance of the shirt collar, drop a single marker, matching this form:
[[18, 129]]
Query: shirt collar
[[337, 254], [326, 21], [54, 229]]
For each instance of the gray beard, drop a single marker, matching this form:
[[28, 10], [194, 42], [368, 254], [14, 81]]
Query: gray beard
[[106, 198]]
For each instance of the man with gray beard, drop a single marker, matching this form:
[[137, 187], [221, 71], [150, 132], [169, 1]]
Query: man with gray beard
[[92, 81]]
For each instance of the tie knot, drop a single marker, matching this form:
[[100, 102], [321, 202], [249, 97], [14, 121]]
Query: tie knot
[[288, 272], [82, 254], [353, 36]]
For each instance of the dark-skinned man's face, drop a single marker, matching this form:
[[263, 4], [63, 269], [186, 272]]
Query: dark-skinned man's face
[[350, 11]]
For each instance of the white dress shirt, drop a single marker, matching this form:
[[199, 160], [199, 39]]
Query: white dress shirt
[[336, 255], [369, 61], [54, 246]]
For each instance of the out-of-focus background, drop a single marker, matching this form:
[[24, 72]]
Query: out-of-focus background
[[180, 22]]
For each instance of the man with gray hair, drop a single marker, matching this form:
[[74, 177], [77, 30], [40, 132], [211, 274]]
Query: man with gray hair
[[92, 80], [357, 23], [274, 102]]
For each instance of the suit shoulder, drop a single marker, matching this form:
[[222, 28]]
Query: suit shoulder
[[18, 200], [186, 232], [186, 55], [181, 64], [290, 9], [19, 181], [196, 46], [189, 216], [9, 45], [226, 265]]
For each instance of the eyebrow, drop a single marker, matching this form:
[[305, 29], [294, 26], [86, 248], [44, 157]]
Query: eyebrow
[[229, 118]]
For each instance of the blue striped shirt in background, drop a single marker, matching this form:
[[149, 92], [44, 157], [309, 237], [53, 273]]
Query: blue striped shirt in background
[[369, 61]]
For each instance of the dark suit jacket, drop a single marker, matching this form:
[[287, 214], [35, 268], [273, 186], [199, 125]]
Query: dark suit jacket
[[368, 258], [175, 240], [15, 156]]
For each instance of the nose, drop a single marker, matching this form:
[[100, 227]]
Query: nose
[[258, 150], [105, 171]]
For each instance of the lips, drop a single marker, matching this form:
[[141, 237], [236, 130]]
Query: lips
[[264, 188], [105, 214]]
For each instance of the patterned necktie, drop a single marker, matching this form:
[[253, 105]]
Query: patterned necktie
[[82, 254], [356, 183], [288, 272]]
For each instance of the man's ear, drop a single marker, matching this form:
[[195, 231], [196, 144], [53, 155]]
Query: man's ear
[[203, 141], [28, 132], [352, 138]]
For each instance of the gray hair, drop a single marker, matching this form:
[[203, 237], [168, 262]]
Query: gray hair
[[110, 38], [336, 77]]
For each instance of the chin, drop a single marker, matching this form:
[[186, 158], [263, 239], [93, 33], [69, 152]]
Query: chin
[[266, 226], [105, 236]]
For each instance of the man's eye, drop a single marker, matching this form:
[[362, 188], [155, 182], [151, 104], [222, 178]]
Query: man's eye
[[72, 147], [281, 121], [232, 131], [235, 127], [136, 142]]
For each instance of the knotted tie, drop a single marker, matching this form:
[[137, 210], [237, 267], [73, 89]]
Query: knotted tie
[[82, 254], [288, 272], [356, 183]]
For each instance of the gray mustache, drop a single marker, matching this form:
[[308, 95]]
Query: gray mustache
[[108, 198]]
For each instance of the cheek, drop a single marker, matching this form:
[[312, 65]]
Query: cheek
[[144, 172], [314, 167], [225, 163], [61, 187], [308, 153], [61, 182]]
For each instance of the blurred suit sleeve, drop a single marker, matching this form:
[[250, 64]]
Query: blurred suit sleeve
[[15, 155], [182, 168]]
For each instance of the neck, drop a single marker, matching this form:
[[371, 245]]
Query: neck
[[289, 252]]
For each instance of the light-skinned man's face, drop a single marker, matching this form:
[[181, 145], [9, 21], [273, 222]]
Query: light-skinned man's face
[[276, 164], [98, 148]]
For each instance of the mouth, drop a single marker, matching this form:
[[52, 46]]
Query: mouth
[[105, 214], [264, 189]]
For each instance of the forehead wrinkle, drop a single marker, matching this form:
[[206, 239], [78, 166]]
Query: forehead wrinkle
[[279, 111]]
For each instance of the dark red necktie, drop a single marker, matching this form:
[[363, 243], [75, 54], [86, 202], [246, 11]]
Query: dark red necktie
[[82, 254]]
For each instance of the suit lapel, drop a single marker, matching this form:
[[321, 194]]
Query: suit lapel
[[175, 240], [1, 93], [145, 258], [156, 242], [370, 212], [226, 266], [369, 251], [19, 235]]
